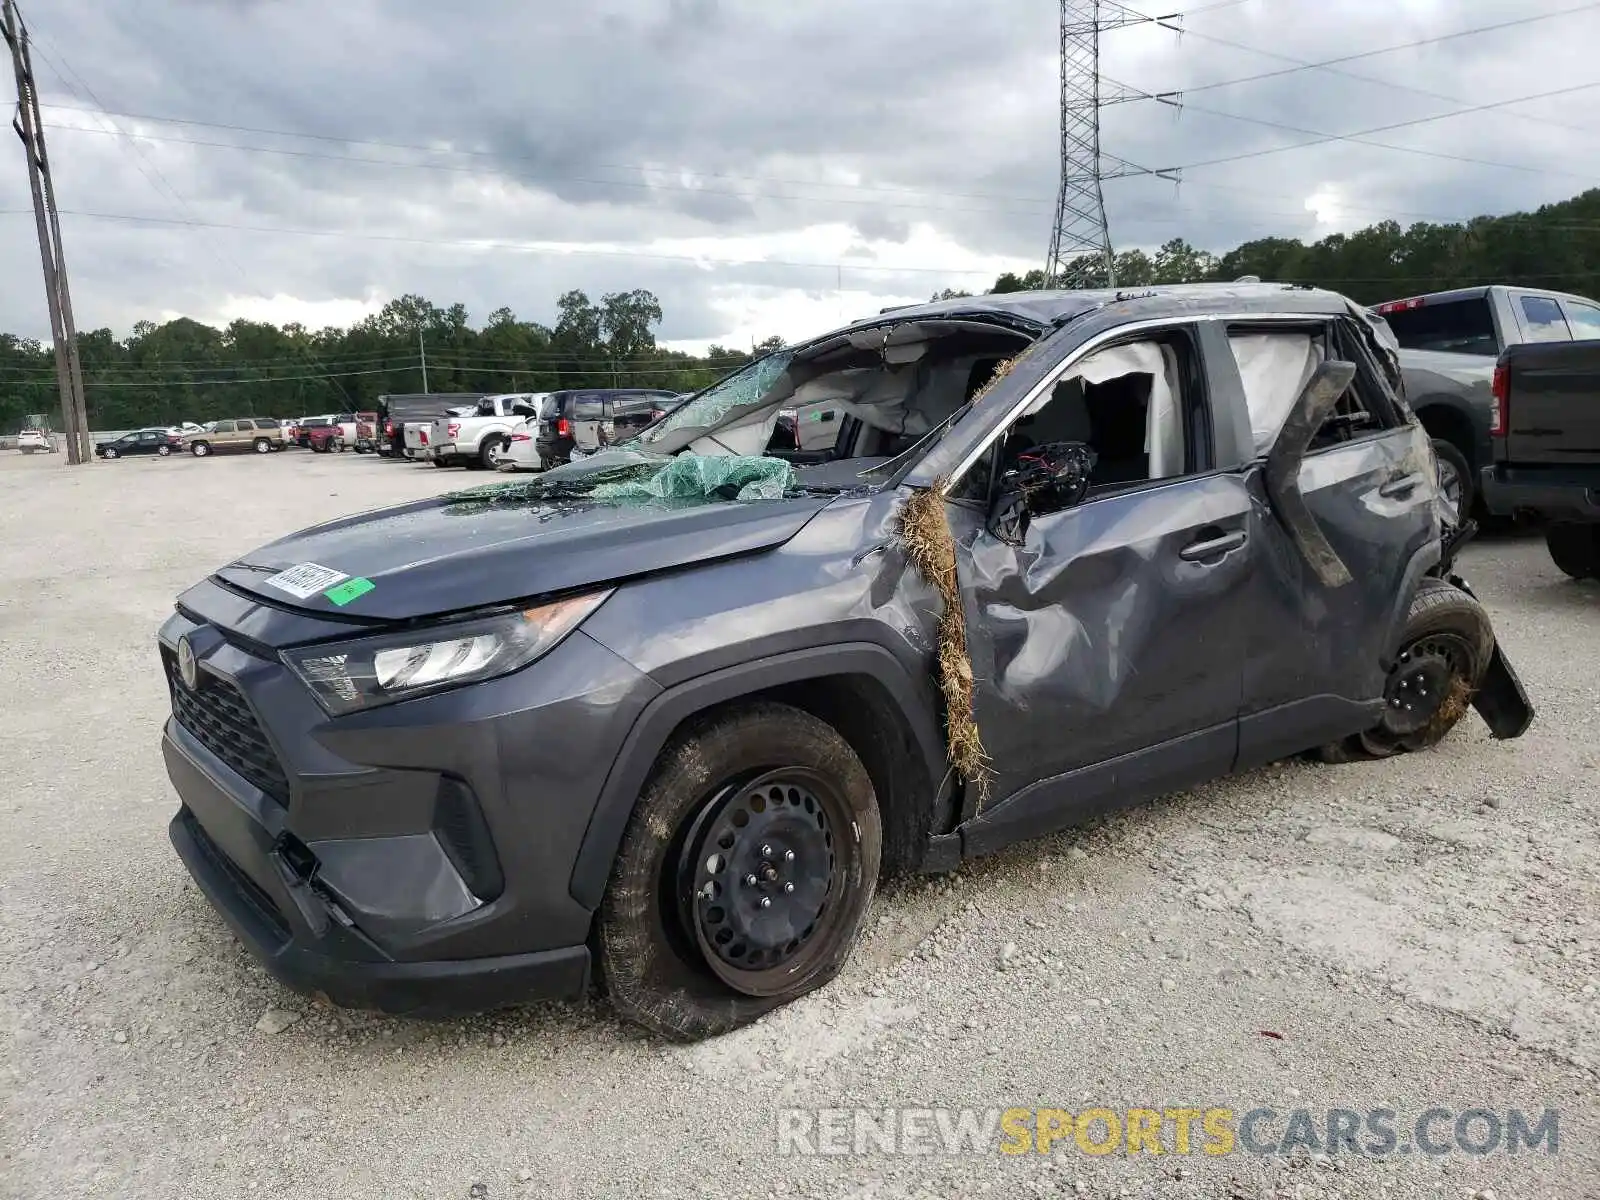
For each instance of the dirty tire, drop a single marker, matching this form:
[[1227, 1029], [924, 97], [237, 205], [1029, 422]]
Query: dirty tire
[[1452, 460], [648, 963], [1439, 612], [1575, 549]]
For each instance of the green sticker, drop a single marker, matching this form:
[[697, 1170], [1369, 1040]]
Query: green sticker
[[348, 591]]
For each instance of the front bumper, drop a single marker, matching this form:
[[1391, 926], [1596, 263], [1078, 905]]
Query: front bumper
[[1554, 494], [416, 857], [437, 988]]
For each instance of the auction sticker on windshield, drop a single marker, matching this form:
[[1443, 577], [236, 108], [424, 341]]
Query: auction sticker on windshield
[[305, 580]]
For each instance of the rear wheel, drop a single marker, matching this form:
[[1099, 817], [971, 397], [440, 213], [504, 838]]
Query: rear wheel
[[1455, 479], [489, 453], [1444, 653], [759, 891], [263, 446], [1575, 549], [200, 449], [436, 462]]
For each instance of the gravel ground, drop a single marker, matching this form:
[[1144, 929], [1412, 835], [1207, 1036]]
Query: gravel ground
[[1417, 933]]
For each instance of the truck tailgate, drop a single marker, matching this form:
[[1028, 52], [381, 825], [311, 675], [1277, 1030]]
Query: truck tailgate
[[1552, 404]]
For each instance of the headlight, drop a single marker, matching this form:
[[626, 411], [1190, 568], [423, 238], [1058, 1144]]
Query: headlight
[[349, 676]]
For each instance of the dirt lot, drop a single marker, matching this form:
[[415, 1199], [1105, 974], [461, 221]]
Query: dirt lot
[[1418, 933]]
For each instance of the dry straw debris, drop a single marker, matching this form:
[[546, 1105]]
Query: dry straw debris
[[925, 534]]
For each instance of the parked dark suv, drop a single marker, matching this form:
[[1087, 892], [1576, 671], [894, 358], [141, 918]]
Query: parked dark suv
[[665, 715], [593, 419]]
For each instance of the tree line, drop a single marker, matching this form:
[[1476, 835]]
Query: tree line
[[184, 369]]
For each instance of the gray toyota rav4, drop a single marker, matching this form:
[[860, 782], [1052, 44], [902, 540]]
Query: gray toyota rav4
[[662, 718]]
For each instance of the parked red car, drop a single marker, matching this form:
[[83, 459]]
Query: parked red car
[[325, 438]]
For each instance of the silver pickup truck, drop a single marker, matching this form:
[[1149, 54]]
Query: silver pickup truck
[[1449, 343]]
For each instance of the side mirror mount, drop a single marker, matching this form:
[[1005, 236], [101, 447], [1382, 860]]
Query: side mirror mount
[[1316, 400], [1046, 479]]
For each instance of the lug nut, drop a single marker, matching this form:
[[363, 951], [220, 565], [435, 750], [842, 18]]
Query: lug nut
[[766, 851], [788, 887], [766, 902], [788, 856], [749, 881]]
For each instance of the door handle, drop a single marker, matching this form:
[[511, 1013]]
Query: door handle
[[1404, 485], [1211, 547]]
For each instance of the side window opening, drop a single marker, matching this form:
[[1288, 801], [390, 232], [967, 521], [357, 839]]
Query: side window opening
[[1135, 404], [1275, 365], [1544, 320]]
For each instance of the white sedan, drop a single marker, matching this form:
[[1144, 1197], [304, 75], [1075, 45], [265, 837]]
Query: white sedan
[[521, 453]]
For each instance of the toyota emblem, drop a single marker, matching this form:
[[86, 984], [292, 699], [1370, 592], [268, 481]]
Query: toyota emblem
[[187, 669]]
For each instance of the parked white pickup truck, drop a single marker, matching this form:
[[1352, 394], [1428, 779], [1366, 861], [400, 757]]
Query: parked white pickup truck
[[417, 436], [480, 438]]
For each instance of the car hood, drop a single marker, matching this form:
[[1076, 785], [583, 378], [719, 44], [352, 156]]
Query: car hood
[[452, 554]]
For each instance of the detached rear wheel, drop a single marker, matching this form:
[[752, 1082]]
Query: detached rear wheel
[[1575, 549], [1444, 652], [759, 891]]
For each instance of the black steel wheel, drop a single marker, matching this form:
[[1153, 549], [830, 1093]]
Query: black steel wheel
[[758, 892], [1444, 652], [759, 875]]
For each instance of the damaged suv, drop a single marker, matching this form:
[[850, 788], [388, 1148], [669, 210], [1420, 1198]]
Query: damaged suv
[[665, 716]]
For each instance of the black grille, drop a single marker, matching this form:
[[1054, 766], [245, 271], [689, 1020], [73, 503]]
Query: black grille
[[221, 720]]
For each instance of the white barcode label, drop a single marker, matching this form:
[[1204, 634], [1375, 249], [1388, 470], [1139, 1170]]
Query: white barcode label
[[305, 580]]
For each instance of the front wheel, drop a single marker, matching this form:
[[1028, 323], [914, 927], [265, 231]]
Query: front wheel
[[200, 449], [761, 889], [113, 453], [1444, 652], [163, 451], [1575, 549], [489, 453]]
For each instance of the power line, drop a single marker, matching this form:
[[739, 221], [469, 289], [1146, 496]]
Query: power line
[[1360, 136], [1328, 64]]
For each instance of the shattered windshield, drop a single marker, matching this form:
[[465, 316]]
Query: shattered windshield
[[744, 387]]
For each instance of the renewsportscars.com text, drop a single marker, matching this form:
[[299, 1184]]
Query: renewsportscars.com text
[[1180, 1130]]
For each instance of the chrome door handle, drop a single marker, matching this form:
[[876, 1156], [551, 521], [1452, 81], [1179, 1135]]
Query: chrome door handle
[[1212, 547]]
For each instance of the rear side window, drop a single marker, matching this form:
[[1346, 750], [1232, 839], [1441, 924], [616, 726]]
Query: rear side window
[[266, 423], [1455, 327], [1584, 319], [245, 426], [1542, 316], [587, 408]]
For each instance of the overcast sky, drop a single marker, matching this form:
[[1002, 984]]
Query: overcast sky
[[764, 168]]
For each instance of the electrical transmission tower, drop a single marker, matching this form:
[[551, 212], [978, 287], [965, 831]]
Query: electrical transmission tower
[[1080, 245], [30, 128]]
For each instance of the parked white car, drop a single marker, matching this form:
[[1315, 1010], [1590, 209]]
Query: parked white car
[[481, 437], [29, 440], [521, 452]]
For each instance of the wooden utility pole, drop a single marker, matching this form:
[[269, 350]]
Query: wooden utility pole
[[30, 128]]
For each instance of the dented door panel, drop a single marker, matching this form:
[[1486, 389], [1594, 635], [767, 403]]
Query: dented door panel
[[1103, 634], [1321, 645]]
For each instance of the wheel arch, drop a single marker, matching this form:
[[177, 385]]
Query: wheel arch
[[1448, 419], [898, 742]]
